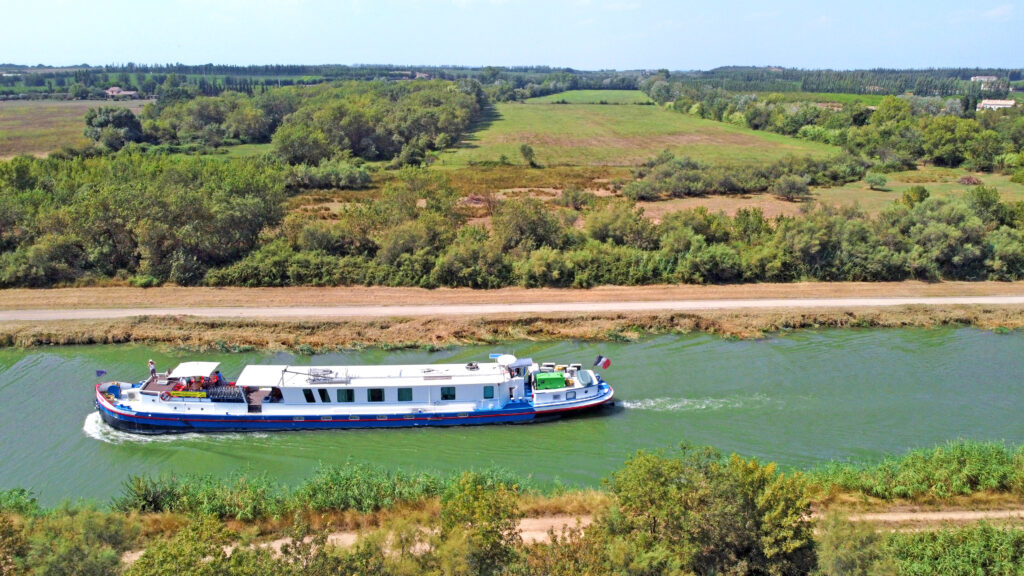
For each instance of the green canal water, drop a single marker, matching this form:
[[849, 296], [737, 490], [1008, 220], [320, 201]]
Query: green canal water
[[799, 399]]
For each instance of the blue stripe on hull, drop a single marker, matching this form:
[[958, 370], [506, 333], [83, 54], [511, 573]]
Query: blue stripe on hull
[[159, 424]]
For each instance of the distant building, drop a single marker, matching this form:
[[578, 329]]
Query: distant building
[[984, 78], [996, 104], [116, 92], [422, 76]]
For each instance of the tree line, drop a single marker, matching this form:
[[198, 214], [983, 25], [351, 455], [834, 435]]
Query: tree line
[[200, 220], [922, 82], [896, 135]]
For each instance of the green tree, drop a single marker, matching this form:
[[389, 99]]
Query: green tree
[[529, 156], [112, 126], [300, 143], [983, 149], [479, 525], [891, 110], [527, 224], [875, 180], [695, 513], [946, 139]]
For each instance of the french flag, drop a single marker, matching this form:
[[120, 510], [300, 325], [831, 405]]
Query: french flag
[[602, 362]]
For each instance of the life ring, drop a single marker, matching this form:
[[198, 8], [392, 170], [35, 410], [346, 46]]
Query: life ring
[[165, 396]]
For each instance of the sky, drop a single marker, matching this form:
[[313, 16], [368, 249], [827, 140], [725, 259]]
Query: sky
[[581, 34]]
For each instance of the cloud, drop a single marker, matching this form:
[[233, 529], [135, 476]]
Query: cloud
[[1002, 13]]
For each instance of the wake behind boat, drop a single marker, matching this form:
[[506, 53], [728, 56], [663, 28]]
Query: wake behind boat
[[195, 397]]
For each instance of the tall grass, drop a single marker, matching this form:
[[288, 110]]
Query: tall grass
[[979, 549], [246, 496], [241, 496], [958, 468]]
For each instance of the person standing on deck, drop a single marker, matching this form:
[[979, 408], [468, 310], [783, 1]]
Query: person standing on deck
[[152, 368]]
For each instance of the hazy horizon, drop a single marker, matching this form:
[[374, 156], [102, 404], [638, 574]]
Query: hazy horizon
[[580, 34]]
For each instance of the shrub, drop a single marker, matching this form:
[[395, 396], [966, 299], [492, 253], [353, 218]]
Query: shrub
[[695, 513], [850, 548], [791, 188], [915, 195], [969, 180], [875, 180], [18, 501], [479, 523]]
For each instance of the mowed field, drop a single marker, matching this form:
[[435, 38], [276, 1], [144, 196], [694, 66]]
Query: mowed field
[[38, 127], [623, 135], [594, 97]]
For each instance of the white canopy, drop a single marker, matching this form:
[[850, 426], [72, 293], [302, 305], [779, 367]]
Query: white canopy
[[264, 375], [192, 369]]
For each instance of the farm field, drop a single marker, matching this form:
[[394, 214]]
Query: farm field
[[940, 182], [594, 97], [584, 134], [841, 98], [38, 127]]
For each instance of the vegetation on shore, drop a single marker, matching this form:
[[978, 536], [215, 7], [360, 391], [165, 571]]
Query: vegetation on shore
[[313, 336], [691, 511]]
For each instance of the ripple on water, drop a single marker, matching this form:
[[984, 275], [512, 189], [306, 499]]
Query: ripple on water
[[95, 428], [695, 404]]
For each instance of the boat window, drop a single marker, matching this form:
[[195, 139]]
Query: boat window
[[488, 392], [324, 395], [447, 392], [405, 394], [346, 395], [308, 394], [375, 395], [570, 395]]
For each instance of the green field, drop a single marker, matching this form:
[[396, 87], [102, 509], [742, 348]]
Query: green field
[[866, 99], [594, 97], [940, 182], [247, 150], [588, 135], [39, 127]]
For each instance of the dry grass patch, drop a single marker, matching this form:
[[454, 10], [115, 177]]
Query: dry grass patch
[[770, 205], [438, 332], [38, 127]]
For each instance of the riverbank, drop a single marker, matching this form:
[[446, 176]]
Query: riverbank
[[308, 335], [321, 319]]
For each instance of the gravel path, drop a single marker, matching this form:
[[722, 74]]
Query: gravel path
[[500, 309]]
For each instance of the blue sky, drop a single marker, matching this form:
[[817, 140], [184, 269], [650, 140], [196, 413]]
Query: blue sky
[[584, 34]]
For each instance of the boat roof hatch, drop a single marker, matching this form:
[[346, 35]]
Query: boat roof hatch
[[191, 369], [522, 363]]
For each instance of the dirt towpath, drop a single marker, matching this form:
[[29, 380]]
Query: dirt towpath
[[371, 311]]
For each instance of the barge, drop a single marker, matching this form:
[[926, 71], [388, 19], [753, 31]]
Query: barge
[[194, 397]]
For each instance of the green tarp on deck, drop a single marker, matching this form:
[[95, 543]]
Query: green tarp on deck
[[550, 380]]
